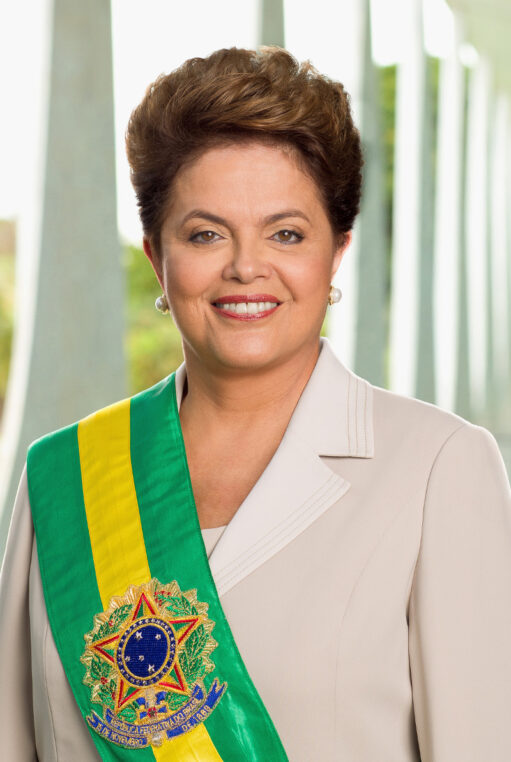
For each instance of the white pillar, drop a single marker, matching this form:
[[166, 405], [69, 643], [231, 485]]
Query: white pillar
[[68, 343], [462, 400], [425, 371], [477, 233], [404, 307], [447, 250], [507, 392], [271, 22], [369, 325], [499, 316]]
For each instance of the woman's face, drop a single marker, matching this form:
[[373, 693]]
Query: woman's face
[[247, 258]]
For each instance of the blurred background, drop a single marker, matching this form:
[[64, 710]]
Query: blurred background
[[426, 308]]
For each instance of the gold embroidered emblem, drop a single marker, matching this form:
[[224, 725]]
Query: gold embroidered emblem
[[145, 660]]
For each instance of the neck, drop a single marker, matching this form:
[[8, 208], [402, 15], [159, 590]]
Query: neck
[[243, 395]]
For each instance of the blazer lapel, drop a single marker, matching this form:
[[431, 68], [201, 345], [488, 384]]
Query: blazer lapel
[[332, 418]]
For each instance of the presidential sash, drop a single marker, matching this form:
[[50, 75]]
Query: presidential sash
[[132, 605]]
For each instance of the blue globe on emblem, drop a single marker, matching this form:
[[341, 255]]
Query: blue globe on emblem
[[146, 651]]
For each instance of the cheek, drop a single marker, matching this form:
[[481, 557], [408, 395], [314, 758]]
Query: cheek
[[186, 278], [311, 279]]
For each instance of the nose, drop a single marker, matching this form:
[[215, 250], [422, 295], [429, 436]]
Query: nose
[[247, 261]]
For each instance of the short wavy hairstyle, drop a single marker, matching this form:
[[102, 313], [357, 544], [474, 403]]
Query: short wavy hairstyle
[[234, 95]]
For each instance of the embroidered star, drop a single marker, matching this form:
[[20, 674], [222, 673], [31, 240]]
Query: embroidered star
[[130, 686]]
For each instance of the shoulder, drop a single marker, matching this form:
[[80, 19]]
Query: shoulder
[[18, 547], [410, 416], [392, 415], [345, 414], [419, 430]]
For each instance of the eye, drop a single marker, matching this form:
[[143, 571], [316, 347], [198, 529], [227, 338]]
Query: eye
[[288, 236], [204, 236]]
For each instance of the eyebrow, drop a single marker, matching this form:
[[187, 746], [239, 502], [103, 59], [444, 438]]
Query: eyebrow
[[266, 221]]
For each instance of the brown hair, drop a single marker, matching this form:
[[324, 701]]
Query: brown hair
[[236, 94]]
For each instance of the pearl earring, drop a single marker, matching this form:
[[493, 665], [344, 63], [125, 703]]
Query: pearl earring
[[162, 304], [334, 296]]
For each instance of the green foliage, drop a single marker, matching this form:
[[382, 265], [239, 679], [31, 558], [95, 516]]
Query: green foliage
[[6, 319], [431, 110], [387, 81], [387, 101], [152, 341]]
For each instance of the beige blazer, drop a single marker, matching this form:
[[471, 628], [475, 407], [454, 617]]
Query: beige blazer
[[366, 579]]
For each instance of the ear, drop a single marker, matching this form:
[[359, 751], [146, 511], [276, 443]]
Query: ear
[[343, 243], [154, 259]]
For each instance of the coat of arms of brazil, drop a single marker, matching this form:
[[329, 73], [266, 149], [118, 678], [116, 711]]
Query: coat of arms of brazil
[[145, 660]]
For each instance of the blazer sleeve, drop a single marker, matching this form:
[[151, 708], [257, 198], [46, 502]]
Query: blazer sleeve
[[460, 605], [16, 711]]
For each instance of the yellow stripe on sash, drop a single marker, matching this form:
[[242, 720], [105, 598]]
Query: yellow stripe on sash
[[194, 746], [111, 505], [117, 540]]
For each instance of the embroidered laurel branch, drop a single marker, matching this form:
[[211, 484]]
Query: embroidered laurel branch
[[116, 618], [105, 680]]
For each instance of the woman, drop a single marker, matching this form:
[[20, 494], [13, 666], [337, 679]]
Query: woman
[[359, 541]]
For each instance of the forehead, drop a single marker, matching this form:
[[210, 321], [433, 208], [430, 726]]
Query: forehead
[[245, 180]]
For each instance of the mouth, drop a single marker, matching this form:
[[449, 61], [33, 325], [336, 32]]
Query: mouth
[[246, 307]]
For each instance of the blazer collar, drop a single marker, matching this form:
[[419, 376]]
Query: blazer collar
[[334, 414], [332, 418]]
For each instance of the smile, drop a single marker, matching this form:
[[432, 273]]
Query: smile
[[246, 307]]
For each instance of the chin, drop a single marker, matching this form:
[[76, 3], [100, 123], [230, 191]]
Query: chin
[[246, 355], [247, 361]]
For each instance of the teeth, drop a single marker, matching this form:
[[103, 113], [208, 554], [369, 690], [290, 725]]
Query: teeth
[[250, 308]]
